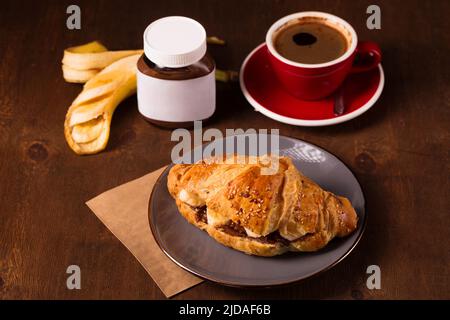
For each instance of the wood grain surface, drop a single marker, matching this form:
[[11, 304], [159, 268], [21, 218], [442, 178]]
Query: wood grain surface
[[399, 150]]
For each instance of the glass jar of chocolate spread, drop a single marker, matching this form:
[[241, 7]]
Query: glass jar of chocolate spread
[[175, 75]]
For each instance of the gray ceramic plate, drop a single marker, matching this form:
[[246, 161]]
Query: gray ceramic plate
[[195, 251]]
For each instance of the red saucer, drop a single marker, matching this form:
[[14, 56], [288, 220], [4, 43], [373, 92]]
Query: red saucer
[[265, 94]]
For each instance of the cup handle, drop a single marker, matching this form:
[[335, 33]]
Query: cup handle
[[368, 57]]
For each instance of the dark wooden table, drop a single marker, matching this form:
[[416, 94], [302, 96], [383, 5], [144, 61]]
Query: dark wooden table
[[399, 150]]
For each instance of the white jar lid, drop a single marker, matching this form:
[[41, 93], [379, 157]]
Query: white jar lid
[[174, 42]]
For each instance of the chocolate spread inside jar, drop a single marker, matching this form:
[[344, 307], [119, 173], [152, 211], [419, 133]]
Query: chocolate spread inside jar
[[175, 78], [198, 69]]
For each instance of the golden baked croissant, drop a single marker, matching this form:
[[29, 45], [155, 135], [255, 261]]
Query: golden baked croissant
[[258, 214]]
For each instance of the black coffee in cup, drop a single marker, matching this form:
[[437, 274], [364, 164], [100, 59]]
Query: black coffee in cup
[[311, 40]]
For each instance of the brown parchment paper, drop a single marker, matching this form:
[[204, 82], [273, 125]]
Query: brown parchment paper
[[124, 211]]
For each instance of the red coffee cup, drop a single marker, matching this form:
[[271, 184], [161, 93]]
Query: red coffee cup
[[317, 81]]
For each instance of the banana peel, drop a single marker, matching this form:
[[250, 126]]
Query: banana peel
[[81, 63], [88, 120]]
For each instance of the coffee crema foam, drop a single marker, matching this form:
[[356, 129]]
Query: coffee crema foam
[[312, 40]]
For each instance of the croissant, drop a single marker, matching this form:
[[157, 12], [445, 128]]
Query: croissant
[[264, 215]]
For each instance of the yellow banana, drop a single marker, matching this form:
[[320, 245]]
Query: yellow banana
[[88, 119], [81, 63]]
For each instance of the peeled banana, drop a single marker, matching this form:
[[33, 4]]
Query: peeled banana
[[81, 63], [88, 119]]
